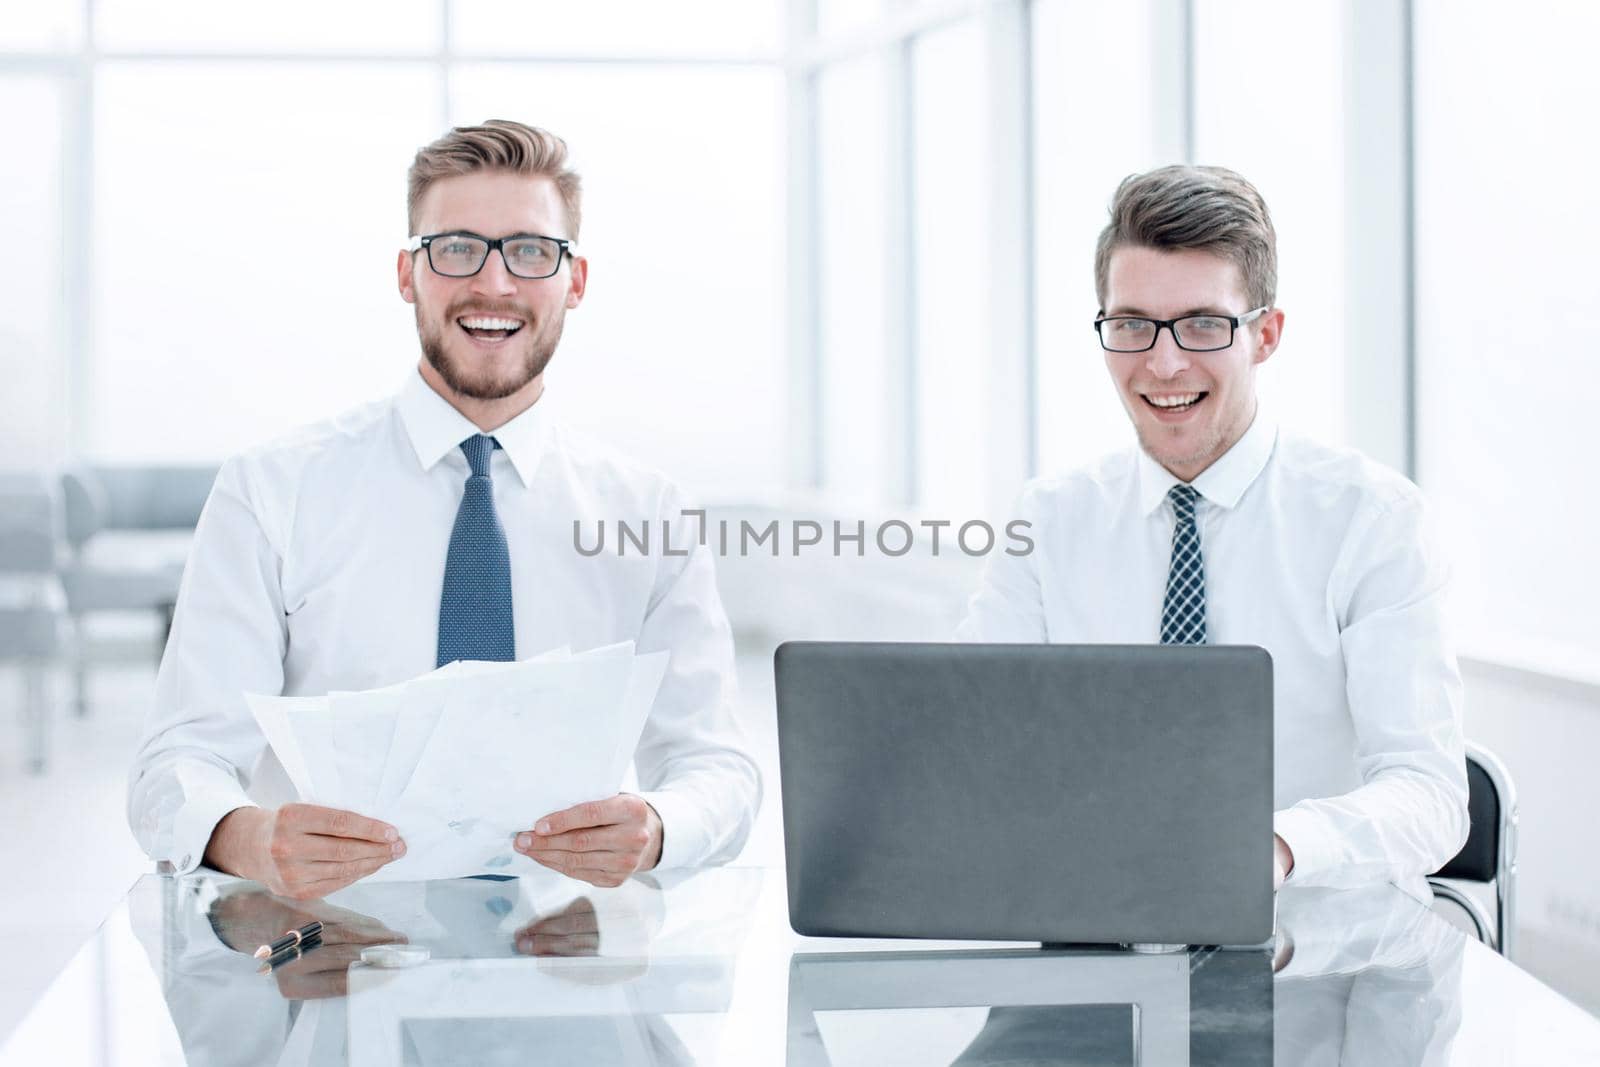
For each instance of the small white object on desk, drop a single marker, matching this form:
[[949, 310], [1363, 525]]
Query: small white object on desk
[[394, 955]]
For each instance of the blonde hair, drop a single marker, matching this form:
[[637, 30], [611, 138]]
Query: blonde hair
[[498, 144], [1207, 208]]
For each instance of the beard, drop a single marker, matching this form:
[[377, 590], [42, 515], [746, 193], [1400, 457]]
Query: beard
[[531, 361], [1158, 441], [1160, 448]]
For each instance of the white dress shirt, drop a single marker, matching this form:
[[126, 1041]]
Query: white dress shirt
[[1327, 561], [318, 564]]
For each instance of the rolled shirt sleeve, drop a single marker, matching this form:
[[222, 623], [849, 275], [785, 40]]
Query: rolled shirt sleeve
[[1409, 817], [693, 764], [200, 742]]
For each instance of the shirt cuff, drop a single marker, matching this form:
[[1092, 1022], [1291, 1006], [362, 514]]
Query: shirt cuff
[[192, 828], [1312, 841], [683, 835]]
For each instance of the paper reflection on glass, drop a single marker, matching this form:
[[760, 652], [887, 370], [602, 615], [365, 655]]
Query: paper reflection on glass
[[535, 967]]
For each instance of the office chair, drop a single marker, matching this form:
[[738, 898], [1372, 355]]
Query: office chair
[[1490, 854]]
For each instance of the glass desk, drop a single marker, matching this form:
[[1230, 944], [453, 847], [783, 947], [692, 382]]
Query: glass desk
[[701, 967]]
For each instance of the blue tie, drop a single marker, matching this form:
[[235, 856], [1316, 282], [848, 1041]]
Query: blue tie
[[475, 607], [1183, 615]]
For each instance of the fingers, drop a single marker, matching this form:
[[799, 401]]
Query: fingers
[[310, 848], [315, 850], [573, 931], [621, 808], [367, 934], [321, 972], [532, 944], [608, 869], [617, 837], [336, 822], [316, 880], [576, 918], [333, 915]]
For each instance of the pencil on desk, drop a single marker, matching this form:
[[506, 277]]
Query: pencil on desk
[[290, 939]]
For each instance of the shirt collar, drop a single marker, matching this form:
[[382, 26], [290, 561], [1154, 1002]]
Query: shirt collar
[[436, 429], [1225, 481]]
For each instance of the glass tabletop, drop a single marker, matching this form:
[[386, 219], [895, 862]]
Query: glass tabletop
[[700, 967]]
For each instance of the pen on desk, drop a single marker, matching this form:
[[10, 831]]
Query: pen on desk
[[290, 939], [290, 954]]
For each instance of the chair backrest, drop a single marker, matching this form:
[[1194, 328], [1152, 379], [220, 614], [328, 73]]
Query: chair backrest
[[1479, 858], [134, 498]]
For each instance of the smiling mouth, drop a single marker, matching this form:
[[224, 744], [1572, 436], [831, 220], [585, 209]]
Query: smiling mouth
[[1174, 403], [488, 327]]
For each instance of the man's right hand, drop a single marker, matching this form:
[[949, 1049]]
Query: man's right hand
[[302, 851]]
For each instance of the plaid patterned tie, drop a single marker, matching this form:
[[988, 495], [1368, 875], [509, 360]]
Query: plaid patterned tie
[[475, 606], [1183, 615]]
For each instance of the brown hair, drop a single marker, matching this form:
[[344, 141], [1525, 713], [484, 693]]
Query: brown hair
[[1208, 208], [498, 144]]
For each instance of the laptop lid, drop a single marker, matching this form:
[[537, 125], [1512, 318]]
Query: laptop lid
[[1060, 793]]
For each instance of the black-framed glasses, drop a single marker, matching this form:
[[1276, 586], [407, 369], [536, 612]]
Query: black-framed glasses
[[461, 255], [1193, 333]]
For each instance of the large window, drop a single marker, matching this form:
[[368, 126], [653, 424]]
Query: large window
[[33, 401], [1269, 103], [676, 354], [863, 424], [229, 186], [953, 268], [719, 29], [1506, 232], [246, 220], [906, 268], [933, 356], [367, 26], [1097, 119]]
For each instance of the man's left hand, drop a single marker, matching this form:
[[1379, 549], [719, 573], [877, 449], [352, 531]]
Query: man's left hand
[[1282, 862], [601, 842]]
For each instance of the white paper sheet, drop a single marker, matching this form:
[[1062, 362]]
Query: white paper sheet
[[271, 714], [508, 749], [464, 757], [363, 732]]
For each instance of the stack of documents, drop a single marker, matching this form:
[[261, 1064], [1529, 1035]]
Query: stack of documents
[[462, 759]]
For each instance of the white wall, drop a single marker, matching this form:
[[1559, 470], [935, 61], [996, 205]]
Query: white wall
[[1547, 732]]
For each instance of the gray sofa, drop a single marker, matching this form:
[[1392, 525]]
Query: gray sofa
[[127, 531]]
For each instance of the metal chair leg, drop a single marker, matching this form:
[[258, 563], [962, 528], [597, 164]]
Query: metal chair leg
[[35, 714], [80, 670], [1487, 933]]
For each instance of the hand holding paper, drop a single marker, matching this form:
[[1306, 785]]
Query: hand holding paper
[[601, 842], [462, 759], [302, 851]]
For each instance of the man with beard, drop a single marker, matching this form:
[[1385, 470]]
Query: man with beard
[[436, 526]]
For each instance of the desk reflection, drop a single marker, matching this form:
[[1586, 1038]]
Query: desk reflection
[[550, 970], [539, 967], [1363, 977], [1371, 978], [1034, 1006]]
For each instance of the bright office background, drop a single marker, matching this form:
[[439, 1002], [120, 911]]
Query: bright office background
[[841, 261]]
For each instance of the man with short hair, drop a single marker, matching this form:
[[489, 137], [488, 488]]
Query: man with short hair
[[1222, 528], [436, 526]]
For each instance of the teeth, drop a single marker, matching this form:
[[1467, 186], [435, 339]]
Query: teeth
[[1173, 401], [480, 323]]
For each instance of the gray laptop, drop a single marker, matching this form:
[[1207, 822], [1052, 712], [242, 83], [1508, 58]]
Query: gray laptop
[[1058, 793]]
